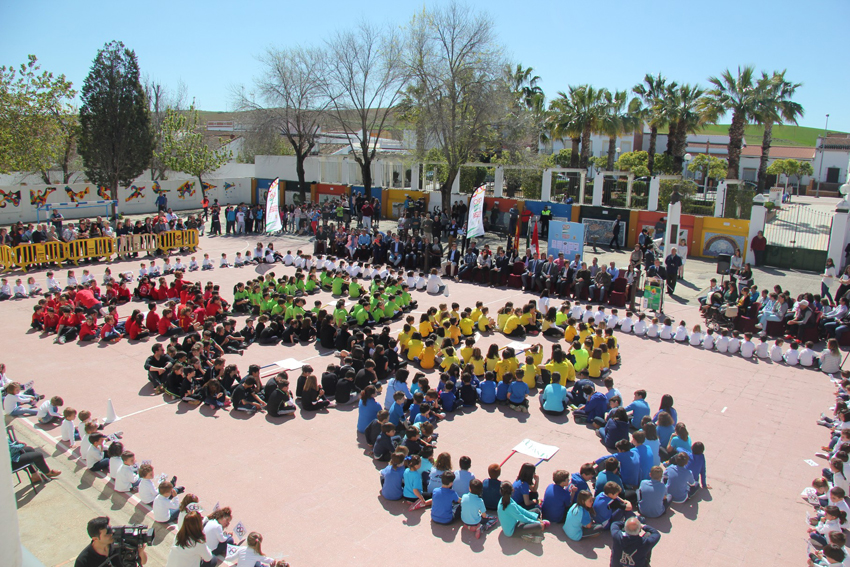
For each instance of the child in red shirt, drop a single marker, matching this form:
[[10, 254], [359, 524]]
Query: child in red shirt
[[108, 332], [152, 320], [88, 329]]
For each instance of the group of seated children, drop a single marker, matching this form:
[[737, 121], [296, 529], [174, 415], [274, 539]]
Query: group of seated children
[[828, 493]]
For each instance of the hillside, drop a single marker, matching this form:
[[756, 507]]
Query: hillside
[[782, 135]]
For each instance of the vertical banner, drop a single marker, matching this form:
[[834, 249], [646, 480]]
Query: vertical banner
[[475, 223], [273, 223]]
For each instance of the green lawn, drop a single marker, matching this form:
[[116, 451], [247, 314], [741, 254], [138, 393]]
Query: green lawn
[[782, 135]]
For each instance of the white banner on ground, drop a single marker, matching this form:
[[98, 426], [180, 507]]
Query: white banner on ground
[[535, 449], [289, 364], [475, 223], [273, 223]]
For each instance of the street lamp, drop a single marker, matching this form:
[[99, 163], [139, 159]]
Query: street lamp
[[820, 168], [688, 158]]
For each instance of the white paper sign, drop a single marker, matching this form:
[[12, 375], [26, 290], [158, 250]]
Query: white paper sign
[[162, 478], [240, 530], [289, 364], [519, 346], [146, 462], [535, 449], [232, 550], [810, 462]]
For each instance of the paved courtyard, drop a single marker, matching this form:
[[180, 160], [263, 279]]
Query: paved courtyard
[[306, 484]]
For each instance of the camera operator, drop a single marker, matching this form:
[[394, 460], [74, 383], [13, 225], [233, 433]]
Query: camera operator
[[100, 552]]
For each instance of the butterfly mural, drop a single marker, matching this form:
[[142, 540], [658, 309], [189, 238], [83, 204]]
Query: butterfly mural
[[157, 188], [187, 189], [76, 196], [11, 197], [38, 198], [104, 192], [135, 193], [229, 186]]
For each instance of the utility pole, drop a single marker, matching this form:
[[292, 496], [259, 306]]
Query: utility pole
[[820, 167]]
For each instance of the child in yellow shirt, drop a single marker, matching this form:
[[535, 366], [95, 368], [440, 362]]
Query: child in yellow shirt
[[449, 359], [466, 351], [428, 357], [613, 351], [478, 362], [455, 312], [598, 339], [425, 328], [467, 325], [583, 332], [513, 327], [560, 364], [476, 313], [484, 322], [595, 364], [454, 331], [404, 337], [530, 372], [606, 358], [414, 347], [570, 333], [492, 357]]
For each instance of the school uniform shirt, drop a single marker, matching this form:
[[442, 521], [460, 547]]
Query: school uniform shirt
[[93, 456], [66, 431], [666, 332], [748, 348], [577, 517], [678, 481], [776, 353], [367, 413], [556, 502], [792, 357], [190, 556], [163, 506], [603, 507], [393, 479], [412, 480], [488, 392], [147, 491], [511, 515], [214, 534], [639, 328], [626, 324], [734, 345], [125, 477], [517, 391], [462, 480], [114, 464], [442, 500], [651, 495], [47, 409], [554, 397], [471, 508], [807, 357], [722, 344], [681, 334]]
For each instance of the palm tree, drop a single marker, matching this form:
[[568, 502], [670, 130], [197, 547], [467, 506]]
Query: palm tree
[[774, 107], [652, 93], [562, 124], [684, 114], [617, 118], [526, 85], [738, 94], [588, 104]]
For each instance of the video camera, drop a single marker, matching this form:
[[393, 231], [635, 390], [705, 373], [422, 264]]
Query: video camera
[[127, 540]]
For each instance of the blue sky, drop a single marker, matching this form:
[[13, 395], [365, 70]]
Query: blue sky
[[212, 46]]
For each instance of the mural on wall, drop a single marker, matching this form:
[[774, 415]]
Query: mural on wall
[[188, 188], [10, 197], [76, 196], [227, 186], [135, 193], [206, 187], [104, 192], [38, 197], [715, 243], [157, 188], [601, 231]]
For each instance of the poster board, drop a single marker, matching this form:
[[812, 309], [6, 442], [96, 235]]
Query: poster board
[[566, 238], [535, 449]]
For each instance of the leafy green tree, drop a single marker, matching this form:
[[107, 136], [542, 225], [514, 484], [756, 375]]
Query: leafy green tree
[[806, 170], [652, 92], [184, 147], [709, 166], [737, 94], [634, 162], [666, 165], [116, 141], [562, 124], [685, 116], [560, 159], [774, 107], [37, 122]]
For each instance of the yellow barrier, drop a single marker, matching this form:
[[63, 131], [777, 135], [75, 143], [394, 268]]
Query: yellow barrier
[[89, 248], [7, 258], [134, 243], [174, 239]]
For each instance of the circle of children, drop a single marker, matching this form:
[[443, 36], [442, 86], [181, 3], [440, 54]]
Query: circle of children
[[627, 480]]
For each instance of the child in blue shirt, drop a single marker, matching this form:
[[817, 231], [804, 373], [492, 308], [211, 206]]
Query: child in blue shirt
[[579, 523], [680, 481], [488, 388], [392, 477], [448, 398], [397, 408], [638, 409], [413, 410], [644, 454], [463, 477], [696, 463], [608, 506], [502, 389], [386, 443], [556, 499], [516, 519], [492, 486], [525, 487], [652, 494], [517, 392], [553, 400], [445, 503], [610, 474], [413, 484], [473, 512], [583, 480]]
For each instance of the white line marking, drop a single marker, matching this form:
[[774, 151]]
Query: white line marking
[[723, 410], [810, 462], [147, 409]]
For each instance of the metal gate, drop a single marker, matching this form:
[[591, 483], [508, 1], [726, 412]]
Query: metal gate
[[797, 237]]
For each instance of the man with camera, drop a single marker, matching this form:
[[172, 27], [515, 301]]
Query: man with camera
[[104, 551]]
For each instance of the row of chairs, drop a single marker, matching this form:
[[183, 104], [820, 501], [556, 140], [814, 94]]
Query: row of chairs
[[746, 322]]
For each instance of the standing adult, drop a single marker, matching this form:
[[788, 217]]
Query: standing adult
[[672, 263], [632, 543], [205, 204], [828, 279], [161, 202], [545, 217], [367, 211], [660, 228], [615, 240], [757, 245], [513, 216]]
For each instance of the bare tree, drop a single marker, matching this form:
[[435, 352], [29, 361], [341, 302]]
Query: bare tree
[[455, 59], [294, 103], [365, 77], [161, 99]]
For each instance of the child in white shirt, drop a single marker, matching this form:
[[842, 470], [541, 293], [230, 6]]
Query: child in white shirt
[[640, 326], [709, 340], [52, 283], [599, 316], [95, 461], [207, 263], [72, 280], [48, 411], [238, 262], [588, 316], [681, 334], [178, 266], [807, 355], [32, 287], [167, 268], [421, 282], [153, 270], [748, 347], [734, 343], [143, 270], [224, 261], [126, 479], [652, 330], [762, 349], [627, 323], [792, 355], [287, 260], [613, 319], [695, 338], [666, 330], [67, 430], [248, 258], [193, 264], [776, 351], [147, 489], [166, 505], [18, 290], [87, 277], [722, 343], [5, 289], [114, 453], [436, 285], [577, 312]]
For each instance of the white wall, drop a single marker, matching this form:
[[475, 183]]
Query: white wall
[[832, 158], [269, 167]]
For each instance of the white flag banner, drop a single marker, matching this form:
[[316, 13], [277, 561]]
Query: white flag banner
[[535, 449], [240, 531], [273, 223], [475, 223]]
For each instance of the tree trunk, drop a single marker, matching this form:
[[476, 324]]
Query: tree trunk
[[765, 155], [113, 191], [585, 148], [671, 138], [574, 154], [300, 157], [736, 140], [680, 145], [653, 138], [612, 148], [446, 190], [366, 173]]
